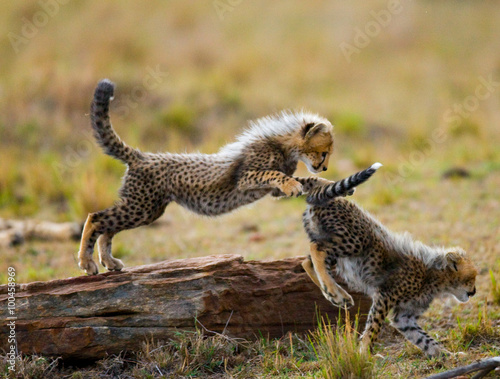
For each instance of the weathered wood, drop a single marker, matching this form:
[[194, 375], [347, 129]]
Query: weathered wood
[[88, 317], [484, 367], [15, 232]]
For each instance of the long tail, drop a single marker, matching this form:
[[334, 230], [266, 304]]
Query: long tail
[[321, 195], [101, 125]]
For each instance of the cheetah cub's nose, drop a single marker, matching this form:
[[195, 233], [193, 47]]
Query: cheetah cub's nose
[[324, 169], [470, 294]]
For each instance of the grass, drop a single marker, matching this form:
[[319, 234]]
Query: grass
[[328, 351], [388, 103], [495, 289], [479, 332], [31, 367], [337, 350]]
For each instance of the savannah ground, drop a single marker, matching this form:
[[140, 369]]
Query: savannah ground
[[420, 93]]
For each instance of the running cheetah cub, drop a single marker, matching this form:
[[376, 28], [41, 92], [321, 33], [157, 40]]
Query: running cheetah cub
[[398, 273], [261, 161]]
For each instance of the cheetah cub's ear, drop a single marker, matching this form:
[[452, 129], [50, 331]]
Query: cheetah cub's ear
[[311, 129], [453, 260]]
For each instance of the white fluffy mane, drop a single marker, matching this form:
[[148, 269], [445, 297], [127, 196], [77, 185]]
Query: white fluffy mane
[[280, 124], [404, 244], [431, 256]]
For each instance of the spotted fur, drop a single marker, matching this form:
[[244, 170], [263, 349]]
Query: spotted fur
[[323, 194], [261, 161], [398, 273]]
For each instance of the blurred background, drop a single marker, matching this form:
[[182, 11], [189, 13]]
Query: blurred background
[[414, 85]]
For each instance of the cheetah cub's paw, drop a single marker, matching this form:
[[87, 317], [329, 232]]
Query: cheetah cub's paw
[[89, 267], [112, 264], [341, 299], [437, 351], [276, 192], [292, 188], [445, 354]]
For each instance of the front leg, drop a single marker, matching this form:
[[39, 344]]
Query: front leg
[[378, 311], [406, 324], [270, 179], [322, 276], [311, 182]]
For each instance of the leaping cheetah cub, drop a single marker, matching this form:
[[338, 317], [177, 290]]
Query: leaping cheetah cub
[[398, 273], [261, 161]]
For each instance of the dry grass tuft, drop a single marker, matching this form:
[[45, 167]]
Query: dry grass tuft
[[338, 350], [495, 288]]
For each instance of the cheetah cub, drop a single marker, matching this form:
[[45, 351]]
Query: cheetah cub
[[398, 273], [261, 161]]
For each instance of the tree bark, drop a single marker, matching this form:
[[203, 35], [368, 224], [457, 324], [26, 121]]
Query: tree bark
[[88, 317]]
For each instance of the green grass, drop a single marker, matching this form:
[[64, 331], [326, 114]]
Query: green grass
[[477, 333]]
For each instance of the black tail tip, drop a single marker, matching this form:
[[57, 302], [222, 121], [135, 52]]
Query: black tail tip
[[106, 87]]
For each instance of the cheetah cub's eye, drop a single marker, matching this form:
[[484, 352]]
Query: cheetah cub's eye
[[323, 155]]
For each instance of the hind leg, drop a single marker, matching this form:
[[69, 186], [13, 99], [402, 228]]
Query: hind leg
[[105, 256], [107, 223], [331, 290], [309, 268], [89, 237]]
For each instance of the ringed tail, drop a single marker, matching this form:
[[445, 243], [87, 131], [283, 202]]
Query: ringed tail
[[101, 125], [322, 195]]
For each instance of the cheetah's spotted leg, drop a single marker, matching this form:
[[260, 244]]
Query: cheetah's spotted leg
[[309, 268], [89, 237], [107, 223], [308, 184], [376, 317], [270, 179], [331, 290], [105, 256], [407, 325]]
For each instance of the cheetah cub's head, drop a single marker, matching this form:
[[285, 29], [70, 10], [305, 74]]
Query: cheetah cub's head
[[462, 275], [316, 146]]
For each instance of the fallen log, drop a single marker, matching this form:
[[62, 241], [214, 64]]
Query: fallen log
[[89, 317], [15, 232], [484, 367]]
